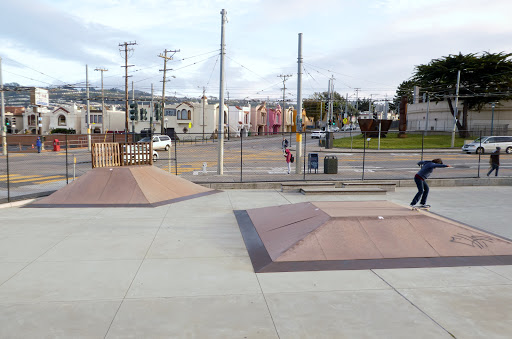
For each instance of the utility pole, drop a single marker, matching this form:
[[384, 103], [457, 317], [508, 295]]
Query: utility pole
[[125, 50], [2, 111], [136, 113], [165, 57], [330, 97], [220, 168], [455, 111], [357, 98], [88, 108], [298, 118], [203, 98], [151, 115], [284, 77], [102, 99]]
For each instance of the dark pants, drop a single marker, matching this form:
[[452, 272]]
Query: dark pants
[[422, 191], [493, 167], [38, 149]]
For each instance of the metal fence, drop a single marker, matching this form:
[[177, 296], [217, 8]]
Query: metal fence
[[25, 173]]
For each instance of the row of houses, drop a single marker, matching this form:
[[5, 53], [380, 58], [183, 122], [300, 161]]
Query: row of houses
[[185, 117]]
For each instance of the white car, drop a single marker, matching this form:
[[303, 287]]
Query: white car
[[488, 144], [137, 154], [160, 142], [318, 134]]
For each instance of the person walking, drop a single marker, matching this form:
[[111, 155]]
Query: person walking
[[39, 144], [284, 144], [288, 156], [420, 179], [494, 161]]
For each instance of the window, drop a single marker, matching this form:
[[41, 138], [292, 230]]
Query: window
[[184, 114], [170, 112], [61, 120], [100, 119], [32, 120], [164, 138]]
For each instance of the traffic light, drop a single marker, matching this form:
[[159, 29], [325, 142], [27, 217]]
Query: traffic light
[[133, 110], [7, 122], [145, 114], [330, 121], [157, 111], [141, 113], [333, 122]]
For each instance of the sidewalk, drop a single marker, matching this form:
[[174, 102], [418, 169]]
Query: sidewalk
[[182, 270]]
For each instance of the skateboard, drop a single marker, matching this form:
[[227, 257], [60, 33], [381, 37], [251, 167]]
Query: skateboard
[[417, 208]]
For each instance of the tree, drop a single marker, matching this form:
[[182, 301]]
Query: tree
[[316, 106], [484, 79], [406, 89]]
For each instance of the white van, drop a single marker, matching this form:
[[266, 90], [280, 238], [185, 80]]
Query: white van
[[489, 144]]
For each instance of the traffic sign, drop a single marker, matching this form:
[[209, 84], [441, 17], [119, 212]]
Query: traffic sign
[[345, 120]]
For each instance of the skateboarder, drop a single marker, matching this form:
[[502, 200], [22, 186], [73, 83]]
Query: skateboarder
[[494, 161], [426, 169]]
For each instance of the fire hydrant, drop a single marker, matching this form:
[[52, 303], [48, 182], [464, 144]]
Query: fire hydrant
[[56, 145]]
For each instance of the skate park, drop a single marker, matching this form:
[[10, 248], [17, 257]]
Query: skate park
[[183, 269]]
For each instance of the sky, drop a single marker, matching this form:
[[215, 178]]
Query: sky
[[367, 47]]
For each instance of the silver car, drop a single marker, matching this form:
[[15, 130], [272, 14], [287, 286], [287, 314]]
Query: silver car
[[489, 144]]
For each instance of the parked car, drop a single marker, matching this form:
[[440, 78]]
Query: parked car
[[318, 134], [489, 144], [160, 142], [137, 154]]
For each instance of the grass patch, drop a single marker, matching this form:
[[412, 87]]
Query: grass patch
[[412, 141]]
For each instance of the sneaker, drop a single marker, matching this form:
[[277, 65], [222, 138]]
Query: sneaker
[[424, 206]]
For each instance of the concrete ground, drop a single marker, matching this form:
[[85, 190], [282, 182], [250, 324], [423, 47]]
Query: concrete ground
[[182, 271]]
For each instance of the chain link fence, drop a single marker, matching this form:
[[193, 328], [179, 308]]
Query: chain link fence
[[349, 156]]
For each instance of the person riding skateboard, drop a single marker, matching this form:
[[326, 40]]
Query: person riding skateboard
[[420, 179]]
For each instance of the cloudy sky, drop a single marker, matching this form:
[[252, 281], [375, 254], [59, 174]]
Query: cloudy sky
[[372, 45]]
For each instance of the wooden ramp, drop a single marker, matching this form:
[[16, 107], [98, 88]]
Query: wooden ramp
[[130, 186], [363, 235]]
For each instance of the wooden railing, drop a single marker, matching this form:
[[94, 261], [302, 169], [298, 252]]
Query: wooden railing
[[105, 154], [113, 154]]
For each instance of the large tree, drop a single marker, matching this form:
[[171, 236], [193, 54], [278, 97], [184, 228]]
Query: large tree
[[484, 79], [316, 105]]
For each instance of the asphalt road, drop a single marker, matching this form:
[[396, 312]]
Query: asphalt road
[[256, 158]]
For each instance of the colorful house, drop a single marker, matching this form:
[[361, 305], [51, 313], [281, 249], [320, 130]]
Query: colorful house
[[258, 118]]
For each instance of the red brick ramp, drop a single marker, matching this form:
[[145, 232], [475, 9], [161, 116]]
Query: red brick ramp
[[363, 235], [129, 186]]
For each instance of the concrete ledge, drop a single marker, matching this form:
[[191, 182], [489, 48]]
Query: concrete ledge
[[389, 187], [342, 191], [296, 186]]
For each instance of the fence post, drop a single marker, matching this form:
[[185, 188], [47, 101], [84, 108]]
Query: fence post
[[479, 155], [241, 156], [67, 173], [7, 163], [304, 156], [364, 154], [422, 143], [175, 157]]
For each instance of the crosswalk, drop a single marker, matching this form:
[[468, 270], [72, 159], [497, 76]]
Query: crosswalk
[[31, 179]]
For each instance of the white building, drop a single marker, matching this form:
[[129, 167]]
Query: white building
[[239, 120], [441, 119]]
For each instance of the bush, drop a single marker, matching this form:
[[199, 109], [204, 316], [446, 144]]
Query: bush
[[63, 131]]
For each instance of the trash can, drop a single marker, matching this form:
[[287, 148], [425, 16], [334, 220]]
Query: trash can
[[329, 139], [330, 164], [56, 145], [313, 162]]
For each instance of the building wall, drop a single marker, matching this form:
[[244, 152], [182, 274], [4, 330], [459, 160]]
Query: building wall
[[441, 119]]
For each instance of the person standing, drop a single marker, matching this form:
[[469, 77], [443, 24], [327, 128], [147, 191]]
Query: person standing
[[288, 156], [494, 161], [39, 144], [420, 179]]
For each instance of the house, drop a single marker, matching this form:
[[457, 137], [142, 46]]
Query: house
[[288, 120], [239, 120], [274, 119], [259, 120]]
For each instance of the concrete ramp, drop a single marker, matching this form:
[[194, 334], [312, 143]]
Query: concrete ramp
[[129, 186], [363, 235]]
